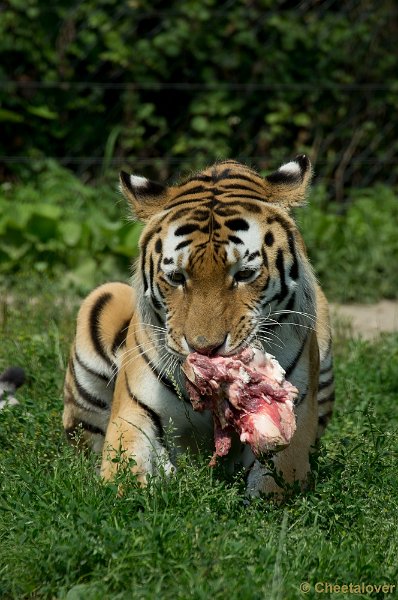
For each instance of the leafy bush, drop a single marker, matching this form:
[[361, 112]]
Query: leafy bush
[[355, 252], [60, 227], [183, 83]]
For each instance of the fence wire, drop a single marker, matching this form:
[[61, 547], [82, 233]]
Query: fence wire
[[359, 148]]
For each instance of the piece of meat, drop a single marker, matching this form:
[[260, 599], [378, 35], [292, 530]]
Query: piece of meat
[[247, 393]]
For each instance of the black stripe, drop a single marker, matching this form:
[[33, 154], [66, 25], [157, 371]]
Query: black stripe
[[280, 265], [185, 229], [198, 177], [84, 366], [240, 186], [182, 213], [265, 258], [120, 337], [185, 201], [290, 304], [144, 277], [293, 364], [155, 301], [162, 378], [200, 251], [198, 189], [151, 188], [85, 394], [244, 177], [330, 398], [282, 222], [182, 245], [247, 206], [224, 210], [237, 224], [282, 177], [327, 368], [236, 196], [269, 238], [200, 215], [147, 237], [93, 320], [154, 417], [219, 175], [182, 202], [324, 419], [235, 239], [326, 383], [294, 269]]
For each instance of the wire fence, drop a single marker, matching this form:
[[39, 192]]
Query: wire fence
[[91, 115]]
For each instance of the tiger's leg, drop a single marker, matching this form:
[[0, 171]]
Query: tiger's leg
[[102, 324], [134, 432], [292, 464]]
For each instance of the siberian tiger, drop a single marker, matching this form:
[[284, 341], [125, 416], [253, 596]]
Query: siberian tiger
[[221, 264]]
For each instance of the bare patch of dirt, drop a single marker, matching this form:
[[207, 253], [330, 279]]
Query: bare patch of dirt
[[367, 321]]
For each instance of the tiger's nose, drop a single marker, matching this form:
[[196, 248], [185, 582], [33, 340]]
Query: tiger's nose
[[203, 345]]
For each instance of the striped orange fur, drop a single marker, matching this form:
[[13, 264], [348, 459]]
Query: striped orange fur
[[221, 264]]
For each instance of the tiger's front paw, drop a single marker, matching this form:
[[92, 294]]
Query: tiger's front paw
[[261, 481], [148, 462], [267, 480]]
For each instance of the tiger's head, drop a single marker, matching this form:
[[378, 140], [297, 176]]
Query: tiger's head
[[219, 251]]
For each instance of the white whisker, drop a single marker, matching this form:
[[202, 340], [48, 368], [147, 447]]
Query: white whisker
[[294, 312]]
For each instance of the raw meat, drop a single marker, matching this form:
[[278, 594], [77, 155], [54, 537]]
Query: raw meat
[[247, 393]]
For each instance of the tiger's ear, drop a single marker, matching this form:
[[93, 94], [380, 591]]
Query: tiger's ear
[[288, 185], [146, 197]]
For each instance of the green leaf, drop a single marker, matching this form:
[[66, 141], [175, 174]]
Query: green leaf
[[43, 112], [129, 244], [71, 232], [84, 275], [10, 116], [42, 227], [199, 124]]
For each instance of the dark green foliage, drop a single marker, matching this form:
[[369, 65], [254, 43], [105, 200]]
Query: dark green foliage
[[176, 86], [58, 226], [355, 251], [66, 535]]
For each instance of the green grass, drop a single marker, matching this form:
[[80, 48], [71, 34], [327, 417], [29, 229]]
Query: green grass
[[64, 534]]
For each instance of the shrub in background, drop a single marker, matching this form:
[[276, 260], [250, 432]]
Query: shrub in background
[[176, 86], [81, 235]]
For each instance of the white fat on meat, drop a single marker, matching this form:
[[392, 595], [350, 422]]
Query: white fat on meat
[[246, 393]]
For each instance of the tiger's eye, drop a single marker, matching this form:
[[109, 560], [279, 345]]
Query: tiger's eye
[[243, 275], [176, 278]]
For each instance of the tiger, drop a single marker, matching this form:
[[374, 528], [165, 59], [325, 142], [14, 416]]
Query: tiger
[[221, 264]]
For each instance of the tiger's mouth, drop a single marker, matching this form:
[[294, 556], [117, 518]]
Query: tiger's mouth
[[250, 340]]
